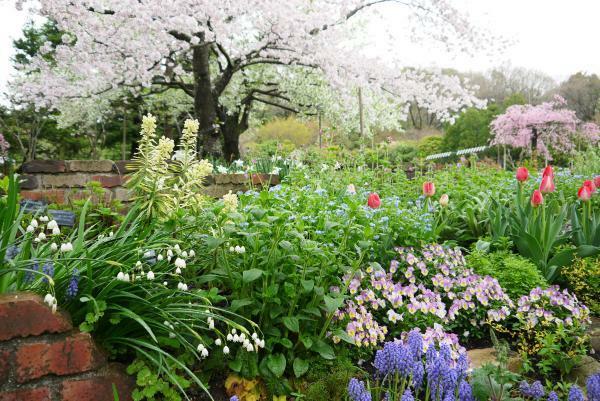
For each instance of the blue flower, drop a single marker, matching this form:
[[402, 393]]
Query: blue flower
[[234, 398], [418, 373], [73, 284], [48, 270], [552, 396], [357, 391], [415, 344], [29, 275], [407, 396], [536, 390], [465, 393], [575, 394], [593, 387]]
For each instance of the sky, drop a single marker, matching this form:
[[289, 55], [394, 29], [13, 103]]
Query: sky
[[558, 37]]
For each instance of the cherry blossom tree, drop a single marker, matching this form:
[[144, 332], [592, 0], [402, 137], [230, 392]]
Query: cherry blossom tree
[[232, 56], [549, 128]]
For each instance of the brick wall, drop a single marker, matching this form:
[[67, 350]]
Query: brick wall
[[62, 181], [42, 358]]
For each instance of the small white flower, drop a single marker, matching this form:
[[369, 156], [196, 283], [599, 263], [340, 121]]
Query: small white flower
[[229, 337], [169, 253], [49, 299], [236, 338], [138, 264], [233, 331], [30, 228], [182, 286], [177, 248], [249, 347], [126, 278], [218, 342], [184, 254], [165, 283], [254, 336], [200, 347], [34, 223], [231, 249], [211, 324], [159, 257], [44, 219], [53, 247], [180, 263], [178, 271], [110, 234], [121, 276], [36, 240], [222, 170], [204, 353], [55, 231], [192, 253], [52, 224], [41, 236], [226, 350], [172, 335], [150, 275], [66, 247]]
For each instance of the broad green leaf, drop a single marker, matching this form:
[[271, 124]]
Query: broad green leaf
[[292, 323], [239, 303], [300, 366], [324, 349], [251, 275], [332, 304], [276, 364]]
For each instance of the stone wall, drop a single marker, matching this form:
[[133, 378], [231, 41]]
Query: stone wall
[[62, 181], [42, 358]]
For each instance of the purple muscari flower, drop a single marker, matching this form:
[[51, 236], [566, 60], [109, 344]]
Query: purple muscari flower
[[430, 355], [415, 344], [418, 373], [11, 252], [525, 389], [536, 390], [234, 398], [575, 394], [357, 391], [48, 269], [407, 396], [552, 396], [393, 358], [445, 352], [29, 275], [593, 387], [449, 381], [73, 284], [462, 365], [465, 393], [435, 374]]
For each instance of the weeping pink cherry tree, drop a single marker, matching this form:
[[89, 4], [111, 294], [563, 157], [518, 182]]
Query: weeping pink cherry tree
[[547, 129]]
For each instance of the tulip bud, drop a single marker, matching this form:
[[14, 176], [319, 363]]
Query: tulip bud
[[374, 201], [548, 172], [547, 184], [428, 189], [590, 185], [444, 200], [597, 181], [537, 198], [522, 174], [584, 193]]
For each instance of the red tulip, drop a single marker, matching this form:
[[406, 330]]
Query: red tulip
[[591, 186], [374, 201], [597, 181], [584, 193], [522, 174], [537, 198], [547, 184], [428, 189], [548, 172]]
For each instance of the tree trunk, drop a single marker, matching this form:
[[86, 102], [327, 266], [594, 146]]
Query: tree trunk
[[234, 125], [205, 106]]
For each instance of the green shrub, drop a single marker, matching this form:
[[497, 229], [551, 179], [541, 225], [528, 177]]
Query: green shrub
[[471, 128], [329, 380], [583, 279], [286, 129], [403, 153], [516, 274], [430, 145]]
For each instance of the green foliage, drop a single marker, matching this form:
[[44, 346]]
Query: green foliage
[[288, 129], [471, 129], [152, 386], [516, 274], [587, 163], [583, 279], [328, 380], [430, 145]]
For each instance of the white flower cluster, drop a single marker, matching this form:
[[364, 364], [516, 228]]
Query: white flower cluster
[[51, 228], [237, 249], [230, 202], [51, 301], [253, 343]]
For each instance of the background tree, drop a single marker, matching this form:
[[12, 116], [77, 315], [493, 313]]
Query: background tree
[[582, 93], [218, 54], [549, 128]]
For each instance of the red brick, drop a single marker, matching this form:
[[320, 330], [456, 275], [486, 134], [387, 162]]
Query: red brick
[[74, 354], [5, 363], [264, 179], [33, 394], [109, 181], [26, 314], [51, 195], [99, 387]]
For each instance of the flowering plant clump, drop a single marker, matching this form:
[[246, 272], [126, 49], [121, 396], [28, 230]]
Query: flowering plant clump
[[416, 368], [421, 287], [550, 330], [536, 391], [165, 181]]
